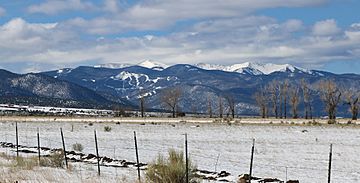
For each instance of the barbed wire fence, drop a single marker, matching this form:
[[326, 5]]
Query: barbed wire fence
[[122, 148]]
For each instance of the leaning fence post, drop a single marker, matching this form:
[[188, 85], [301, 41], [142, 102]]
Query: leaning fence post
[[38, 143], [64, 150], [137, 157], [251, 160], [330, 159], [97, 153]]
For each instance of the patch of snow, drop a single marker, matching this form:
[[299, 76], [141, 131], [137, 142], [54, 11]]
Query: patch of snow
[[253, 68], [113, 65], [151, 64]]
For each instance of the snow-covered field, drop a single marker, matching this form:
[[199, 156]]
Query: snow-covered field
[[301, 151]]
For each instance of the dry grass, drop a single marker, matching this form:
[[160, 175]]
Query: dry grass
[[170, 170], [56, 160], [26, 169]]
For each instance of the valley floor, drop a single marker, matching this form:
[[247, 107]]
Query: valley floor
[[244, 120], [282, 149]]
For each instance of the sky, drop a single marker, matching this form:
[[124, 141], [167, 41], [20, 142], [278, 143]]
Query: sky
[[40, 35]]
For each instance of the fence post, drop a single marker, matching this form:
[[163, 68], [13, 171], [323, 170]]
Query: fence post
[[330, 159], [137, 157], [251, 160], [97, 153], [38, 142], [64, 150], [17, 140], [186, 159]]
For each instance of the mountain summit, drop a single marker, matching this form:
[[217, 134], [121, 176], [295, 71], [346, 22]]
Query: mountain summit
[[243, 68], [146, 63]]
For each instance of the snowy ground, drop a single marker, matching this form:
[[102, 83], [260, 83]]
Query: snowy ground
[[302, 151]]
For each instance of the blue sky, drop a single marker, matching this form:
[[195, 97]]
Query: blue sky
[[38, 35]]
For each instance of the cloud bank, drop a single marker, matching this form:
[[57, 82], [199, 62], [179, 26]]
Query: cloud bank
[[181, 31]]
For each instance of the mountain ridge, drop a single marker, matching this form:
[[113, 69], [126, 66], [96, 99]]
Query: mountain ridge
[[197, 83], [252, 68]]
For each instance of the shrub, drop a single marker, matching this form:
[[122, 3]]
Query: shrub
[[170, 170], [107, 129], [55, 159], [331, 121], [25, 163], [77, 147]]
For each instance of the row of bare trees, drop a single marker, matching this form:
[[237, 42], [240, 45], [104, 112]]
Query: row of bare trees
[[273, 100], [276, 96], [170, 98]]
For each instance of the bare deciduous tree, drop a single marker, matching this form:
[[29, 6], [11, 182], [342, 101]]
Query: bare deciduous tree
[[330, 95], [194, 109], [351, 98], [273, 89], [221, 106], [171, 97], [306, 98], [209, 107], [142, 102], [294, 100], [261, 99], [283, 96], [231, 102]]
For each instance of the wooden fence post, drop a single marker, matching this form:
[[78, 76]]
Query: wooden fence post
[[137, 157], [252, 159], [38, 142], [17, 140], [97, 153], [64, 150], [330, 159], [186, 159]]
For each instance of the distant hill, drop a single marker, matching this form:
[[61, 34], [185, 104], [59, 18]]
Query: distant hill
[[40, 89]]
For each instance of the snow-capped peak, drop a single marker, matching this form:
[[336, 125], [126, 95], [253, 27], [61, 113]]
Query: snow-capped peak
[[244, 68], [253, 68], [113, 65], [152, 65], [146, 63]]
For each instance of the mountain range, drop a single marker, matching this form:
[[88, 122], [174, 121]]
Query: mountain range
[[200, 83]]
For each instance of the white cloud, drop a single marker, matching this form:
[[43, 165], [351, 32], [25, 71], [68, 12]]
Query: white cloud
[[52, 7], [326, 28], [226, 32], [2, 11], [111, 6], [293, 25], [156, 15], [228, 40]]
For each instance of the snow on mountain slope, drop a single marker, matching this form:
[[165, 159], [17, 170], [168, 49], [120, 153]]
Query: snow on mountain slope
[[244, 68], [113, 65], [152, 65], [146, 63], [253, 68]]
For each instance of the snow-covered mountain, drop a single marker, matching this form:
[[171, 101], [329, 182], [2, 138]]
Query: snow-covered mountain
[[146, 63], [39, 89], [113, 65], [253, 68], [243, 68], [153, 65]]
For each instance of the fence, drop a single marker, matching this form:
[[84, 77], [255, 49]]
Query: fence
[[122, 146]]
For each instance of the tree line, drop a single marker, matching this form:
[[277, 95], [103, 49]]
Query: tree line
[[274, 98]]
